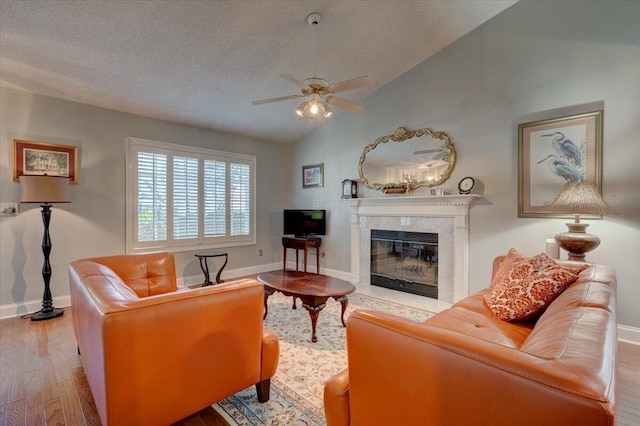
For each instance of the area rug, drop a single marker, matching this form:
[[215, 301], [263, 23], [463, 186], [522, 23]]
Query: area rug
[[297, 388]]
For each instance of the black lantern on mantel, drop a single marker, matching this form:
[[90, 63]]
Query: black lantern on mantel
[[349, 188]]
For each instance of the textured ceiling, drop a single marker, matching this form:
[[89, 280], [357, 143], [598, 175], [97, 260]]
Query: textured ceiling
[[202, 62]]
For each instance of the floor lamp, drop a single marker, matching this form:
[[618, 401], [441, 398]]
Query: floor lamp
[[45, 190]]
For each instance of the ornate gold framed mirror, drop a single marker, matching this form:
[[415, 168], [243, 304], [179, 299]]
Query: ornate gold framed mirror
[[407, 160]]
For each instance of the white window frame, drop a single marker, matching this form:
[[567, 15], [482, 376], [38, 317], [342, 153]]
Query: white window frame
[[180, 245]]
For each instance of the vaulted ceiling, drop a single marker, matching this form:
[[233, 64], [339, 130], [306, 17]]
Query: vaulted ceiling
[[201, 63]]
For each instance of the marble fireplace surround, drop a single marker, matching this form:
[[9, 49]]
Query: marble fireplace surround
[[447, 216]]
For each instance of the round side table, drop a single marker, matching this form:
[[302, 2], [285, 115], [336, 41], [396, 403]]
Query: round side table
[[203, 256]]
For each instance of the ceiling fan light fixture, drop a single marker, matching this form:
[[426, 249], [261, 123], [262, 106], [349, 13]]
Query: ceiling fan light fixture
[[314, 103], [324, 109], [304, 110], [313, 109], [318, 91]]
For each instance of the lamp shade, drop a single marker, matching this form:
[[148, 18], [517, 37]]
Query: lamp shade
[[44, 189], [580, 198]]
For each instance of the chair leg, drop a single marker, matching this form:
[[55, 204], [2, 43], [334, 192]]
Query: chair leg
[[262, 389]]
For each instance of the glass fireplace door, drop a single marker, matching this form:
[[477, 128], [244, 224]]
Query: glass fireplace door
[[405, 261]]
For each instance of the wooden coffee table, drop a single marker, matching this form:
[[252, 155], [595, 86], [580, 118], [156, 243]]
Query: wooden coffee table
[[313, 289]]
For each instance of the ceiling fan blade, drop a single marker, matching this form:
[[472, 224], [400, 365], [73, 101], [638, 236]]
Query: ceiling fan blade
[[281, 98], [301, 84], [346, 105], [354, 83]]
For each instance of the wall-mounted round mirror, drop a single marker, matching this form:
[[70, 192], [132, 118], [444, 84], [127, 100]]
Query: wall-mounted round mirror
[[406, 160]]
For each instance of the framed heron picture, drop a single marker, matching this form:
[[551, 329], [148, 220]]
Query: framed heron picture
[[553, 152]]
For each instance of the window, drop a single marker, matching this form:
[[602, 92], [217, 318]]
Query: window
[[181, 198]]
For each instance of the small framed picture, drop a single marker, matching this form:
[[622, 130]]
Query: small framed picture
[[553, 152], [313, 176], [41, 158]]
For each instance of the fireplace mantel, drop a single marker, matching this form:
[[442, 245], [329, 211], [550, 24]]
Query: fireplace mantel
[[447, 215]]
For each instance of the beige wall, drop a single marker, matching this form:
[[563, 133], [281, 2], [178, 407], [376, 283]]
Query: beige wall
[[533, 57], [94, 223]]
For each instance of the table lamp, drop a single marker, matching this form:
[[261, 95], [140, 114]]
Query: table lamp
[[45, 190], [579, 198]]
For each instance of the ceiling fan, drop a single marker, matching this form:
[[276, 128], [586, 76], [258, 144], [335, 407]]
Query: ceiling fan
[[319, 91]]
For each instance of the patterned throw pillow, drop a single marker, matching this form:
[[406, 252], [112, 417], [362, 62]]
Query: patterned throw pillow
[[528, 288], [512, 258]]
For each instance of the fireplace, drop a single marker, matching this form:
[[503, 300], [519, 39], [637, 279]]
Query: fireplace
[[446, 217], [405, 261]]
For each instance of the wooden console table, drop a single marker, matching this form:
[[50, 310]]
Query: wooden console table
[[302, 244]]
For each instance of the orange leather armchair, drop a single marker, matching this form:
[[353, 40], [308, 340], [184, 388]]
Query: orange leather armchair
[[465, 367], [154, 354]]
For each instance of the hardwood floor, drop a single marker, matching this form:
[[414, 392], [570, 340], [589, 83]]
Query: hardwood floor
[[629, 384], [42, 381]]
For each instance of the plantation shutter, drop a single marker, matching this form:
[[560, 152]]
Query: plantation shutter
[[240, 198], [215, 198], [185, 197], [182, 198], [151, 178]]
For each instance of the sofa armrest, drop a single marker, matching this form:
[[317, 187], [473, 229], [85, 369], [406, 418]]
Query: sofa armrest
[[445, 377], [336, 399], [270, 354]]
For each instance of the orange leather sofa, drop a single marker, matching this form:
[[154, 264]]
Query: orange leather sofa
[[154, 354], [465, 367]]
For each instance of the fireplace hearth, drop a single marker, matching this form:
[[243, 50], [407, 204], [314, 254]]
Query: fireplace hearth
[[405, 261]]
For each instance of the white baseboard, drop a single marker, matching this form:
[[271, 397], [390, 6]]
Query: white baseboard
[[337, 274], [254, 270], [625, 333], [629, 334], [233, 273], [20, 309], [29, 307]]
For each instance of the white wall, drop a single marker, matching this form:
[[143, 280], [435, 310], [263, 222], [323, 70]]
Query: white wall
[[94, 223], [533, 57]]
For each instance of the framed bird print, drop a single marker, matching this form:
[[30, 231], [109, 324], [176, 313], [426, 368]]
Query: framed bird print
[[313, 176], [553, 152]]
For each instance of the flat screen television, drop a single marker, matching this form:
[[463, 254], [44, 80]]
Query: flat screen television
[[305, 223]]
